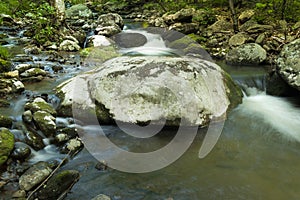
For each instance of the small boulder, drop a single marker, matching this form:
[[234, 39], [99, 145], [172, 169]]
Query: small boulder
[[129, 40], [40, 104], [101, 197], [98, 40], [288, 64], [45, 122], [78, 11], [21, 151], [34, 175], [58, 184], [246, 54], [69, 45], [34, 140]]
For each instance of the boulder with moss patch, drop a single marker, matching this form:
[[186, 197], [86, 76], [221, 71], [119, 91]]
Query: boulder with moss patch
[[142, 89], [7, 142]]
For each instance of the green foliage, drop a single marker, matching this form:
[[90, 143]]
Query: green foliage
[[8, 6], [4, 53], [5, 65], [44, 26], [205, 16], [267, 11]]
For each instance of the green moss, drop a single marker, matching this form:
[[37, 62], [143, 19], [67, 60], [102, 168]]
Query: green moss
[[7, 142], [181, 43], [99, 54], [5, 121], [234, 93]]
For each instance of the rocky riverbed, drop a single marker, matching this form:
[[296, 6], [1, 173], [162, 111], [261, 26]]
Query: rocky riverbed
[[35, 119]]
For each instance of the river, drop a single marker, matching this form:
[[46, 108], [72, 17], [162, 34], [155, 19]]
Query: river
[[256, 156]]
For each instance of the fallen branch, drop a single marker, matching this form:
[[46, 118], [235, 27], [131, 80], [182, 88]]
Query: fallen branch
[[50, 175]]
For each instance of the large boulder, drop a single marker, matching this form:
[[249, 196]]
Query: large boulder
[[78, 11], [142, 89], [7, 142], [288, 64], [246, 54]]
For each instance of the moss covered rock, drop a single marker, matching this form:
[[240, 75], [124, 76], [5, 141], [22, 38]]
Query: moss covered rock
[[58, 184], [7, 142], [46, 122], [5, 121], [40, 104]]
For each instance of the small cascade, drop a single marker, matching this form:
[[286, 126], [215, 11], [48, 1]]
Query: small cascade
[[155, 46]]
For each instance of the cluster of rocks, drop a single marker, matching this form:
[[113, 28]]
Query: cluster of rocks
[[19, 140]]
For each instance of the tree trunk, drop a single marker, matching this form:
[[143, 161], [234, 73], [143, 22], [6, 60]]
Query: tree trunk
[[233, 16], [283, 9], [59, 6]]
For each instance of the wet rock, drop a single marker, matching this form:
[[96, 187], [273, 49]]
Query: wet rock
[[5, 121], [19, 194], [69, 45], [34, 175], [33, 72], [7, 142], [22, 58], [21, 151], [129, 40], [288, 64], [101, 197], [34, 140], [238, 39], [45, 122], [245, 16], [247, 54], [98, 40], [275, 85], [120, 95], [40, 104], [58, 184], [27, 116], [78, 11], [23, 67], [73, 146], [101, 165], [17, 86], [32, 50]]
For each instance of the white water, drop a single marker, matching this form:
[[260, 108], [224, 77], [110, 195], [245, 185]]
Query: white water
[[155, 46], [277, 112]]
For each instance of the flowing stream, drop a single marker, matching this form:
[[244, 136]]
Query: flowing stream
[[256, 157]]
